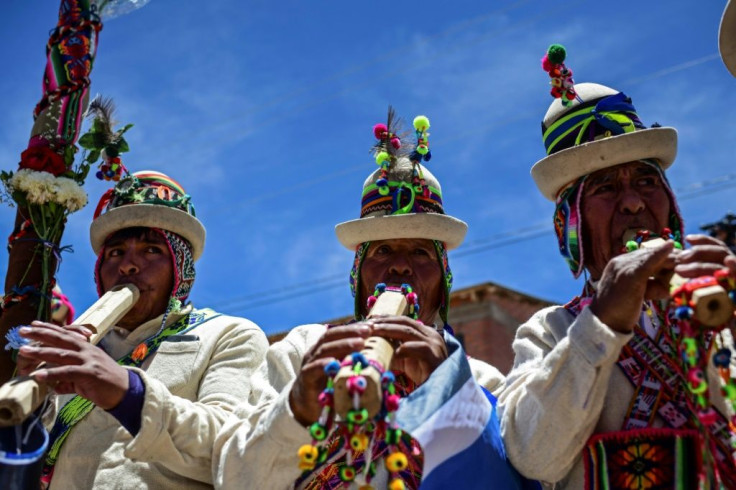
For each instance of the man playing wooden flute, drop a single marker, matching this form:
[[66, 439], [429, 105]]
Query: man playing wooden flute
[[143, 410], [606, 391], [402, 237]]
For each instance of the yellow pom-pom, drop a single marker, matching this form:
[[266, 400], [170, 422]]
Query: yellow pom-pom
[[421, 123], [359, 442], [396, 484], [307, 457], [396, 462], [382, 157]]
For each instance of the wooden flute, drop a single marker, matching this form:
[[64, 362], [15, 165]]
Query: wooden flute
[[377, 349], [22, 395], [711, 305]]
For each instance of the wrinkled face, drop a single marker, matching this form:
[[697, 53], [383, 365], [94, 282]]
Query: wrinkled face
[[627, 196], [407, 260], [142, 259]]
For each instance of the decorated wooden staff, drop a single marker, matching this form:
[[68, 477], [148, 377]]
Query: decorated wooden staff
[[47, 186]]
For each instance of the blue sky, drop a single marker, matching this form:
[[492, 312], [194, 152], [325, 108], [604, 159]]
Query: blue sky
[[264, 111]]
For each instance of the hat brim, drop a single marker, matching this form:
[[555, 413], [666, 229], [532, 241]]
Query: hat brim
[[554, 172], [149, 216], [431, 226], [727, 37]]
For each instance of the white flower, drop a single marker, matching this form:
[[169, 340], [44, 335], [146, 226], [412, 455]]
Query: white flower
[[42, 187]]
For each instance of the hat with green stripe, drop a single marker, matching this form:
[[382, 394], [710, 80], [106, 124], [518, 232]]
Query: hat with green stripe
[[727, 37], [148, 199], [598, 127], [401, 199]]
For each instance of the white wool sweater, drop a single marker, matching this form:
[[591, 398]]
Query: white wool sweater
[[258, 448], [564, 387], [191, 387]]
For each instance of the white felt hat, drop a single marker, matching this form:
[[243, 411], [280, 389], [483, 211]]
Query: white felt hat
[[379, 220], [149, 199], [571, 161], [727, 37]]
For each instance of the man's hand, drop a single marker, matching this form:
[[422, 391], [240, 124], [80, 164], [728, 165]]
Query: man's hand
[[74, 365], [628, 280], [420, 347], [706, 255], [26, 366], [336, 343]]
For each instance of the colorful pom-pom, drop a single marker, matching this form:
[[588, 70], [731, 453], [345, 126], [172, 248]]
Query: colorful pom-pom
[[307, 457], [421, 123], [393, 436], [722, 358], [317, 431], [357, 384], [631, 245], [396, 143], [332, 368], [379, 130], [358, 416], [347, 473], [381, 157], [359, 442], [387, 378], [371, 301], [392, 402], [396, 484], [326, 398], [556, 54], [396, 462]]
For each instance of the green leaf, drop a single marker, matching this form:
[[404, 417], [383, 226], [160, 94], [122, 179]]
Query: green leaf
[[93, 156], [87, 141], [20, 198], [124, 129], [82, 174], [123, 145]]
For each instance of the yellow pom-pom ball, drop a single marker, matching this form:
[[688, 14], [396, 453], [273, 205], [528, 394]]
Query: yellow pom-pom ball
[[421, 123], [359, 442], [396, 484], [307, 457], [396, 462], [382, 157]]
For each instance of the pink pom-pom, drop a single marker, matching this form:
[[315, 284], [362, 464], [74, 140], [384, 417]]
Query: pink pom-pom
[[396, 143], [325, 398], [371, 301], [546, 64], [379, 130], [356, 384], [392, 402], [411, 298]]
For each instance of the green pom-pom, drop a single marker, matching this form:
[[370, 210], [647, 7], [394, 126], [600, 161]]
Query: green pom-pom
[[556, 54], [631, 245], [421, 123], [382, 157]]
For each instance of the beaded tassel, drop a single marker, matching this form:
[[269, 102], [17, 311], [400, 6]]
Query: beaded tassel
[[359, 431]]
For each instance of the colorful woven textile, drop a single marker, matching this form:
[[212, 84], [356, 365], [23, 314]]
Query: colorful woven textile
[[77, 408], [649, 459]]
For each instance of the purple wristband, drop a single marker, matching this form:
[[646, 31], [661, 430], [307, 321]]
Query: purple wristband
[[128, 411]]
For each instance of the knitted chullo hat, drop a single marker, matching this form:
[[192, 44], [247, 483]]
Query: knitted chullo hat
[[589, 127], [727, 37], [152, 200], [402, 199]]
